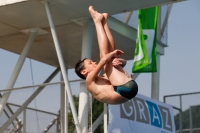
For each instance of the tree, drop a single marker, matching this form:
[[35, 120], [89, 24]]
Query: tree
[[186, 119], [97, 108]]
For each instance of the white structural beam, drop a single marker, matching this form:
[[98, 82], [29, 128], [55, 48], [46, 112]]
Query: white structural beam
[[63, 108], [57, 125], [50, 125], [24, 121], [17, 69], [166, 19], [7, 2], [160, 48], [105, 117], [83, 107], [10, 112], [84, 94], [27, 102], [19, 126], [16, 128], [155, 80], [122, 28], [62, 66], [91, 99], [130, 32], [97, 122], [127, 17], [87, 39]]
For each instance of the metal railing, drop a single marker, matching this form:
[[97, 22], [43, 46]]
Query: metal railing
[[183, 103], [41, 115]]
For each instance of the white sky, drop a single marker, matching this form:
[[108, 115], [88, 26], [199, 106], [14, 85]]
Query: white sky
[[180, 66]]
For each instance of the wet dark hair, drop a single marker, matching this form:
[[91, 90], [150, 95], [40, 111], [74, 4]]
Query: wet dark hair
[[80, 66]]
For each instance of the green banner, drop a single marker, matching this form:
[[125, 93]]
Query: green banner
[[145, 51]]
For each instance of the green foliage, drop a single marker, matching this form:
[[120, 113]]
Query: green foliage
[[97, 108], [186, 119], [71, 125]]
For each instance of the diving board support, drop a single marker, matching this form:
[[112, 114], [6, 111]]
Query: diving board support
[[84, 94], [50, 125], [155, 80], [127, 17], [28, 101], [24, 121], [166, 18], [10, 110], [97, 122], [17, 69], [105, 117], [122, 28], [63, 108], [62, 66]]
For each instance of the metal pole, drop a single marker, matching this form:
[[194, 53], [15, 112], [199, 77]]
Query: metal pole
[[90, 108], [156, 75], [8, 116], [159, 24], [50, 125], [84, 94], [127, 17], [13, 129], [24, 121], [83, 107], [9, 109], [28, 101], [164, 99], [63, 108], [17, 69], [57, 125], [97, 122], [105, 116], [156, 80], [19, 126], [87, 39], [166, 18], [180, 116], [135, 75], [62, 129], [191, 128], [62, 65]]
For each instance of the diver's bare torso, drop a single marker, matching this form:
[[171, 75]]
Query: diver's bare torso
[[102, 90]]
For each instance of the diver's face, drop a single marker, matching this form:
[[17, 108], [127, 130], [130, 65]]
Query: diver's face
[[89, 65]]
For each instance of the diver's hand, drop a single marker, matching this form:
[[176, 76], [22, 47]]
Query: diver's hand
[[116, 62], [117, 53]]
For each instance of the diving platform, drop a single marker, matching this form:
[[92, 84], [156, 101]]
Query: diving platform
[[16, 20]]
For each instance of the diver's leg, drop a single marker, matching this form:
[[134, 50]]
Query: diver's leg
[[115, 75], [101, 35], [108, 33]]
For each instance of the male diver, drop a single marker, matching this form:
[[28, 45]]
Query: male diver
[[115, 86]]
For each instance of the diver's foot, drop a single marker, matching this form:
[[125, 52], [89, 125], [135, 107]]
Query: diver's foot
[[97, 17], [105, 15]]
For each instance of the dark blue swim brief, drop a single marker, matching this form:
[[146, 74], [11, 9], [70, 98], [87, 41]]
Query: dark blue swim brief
[[128, 90]]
